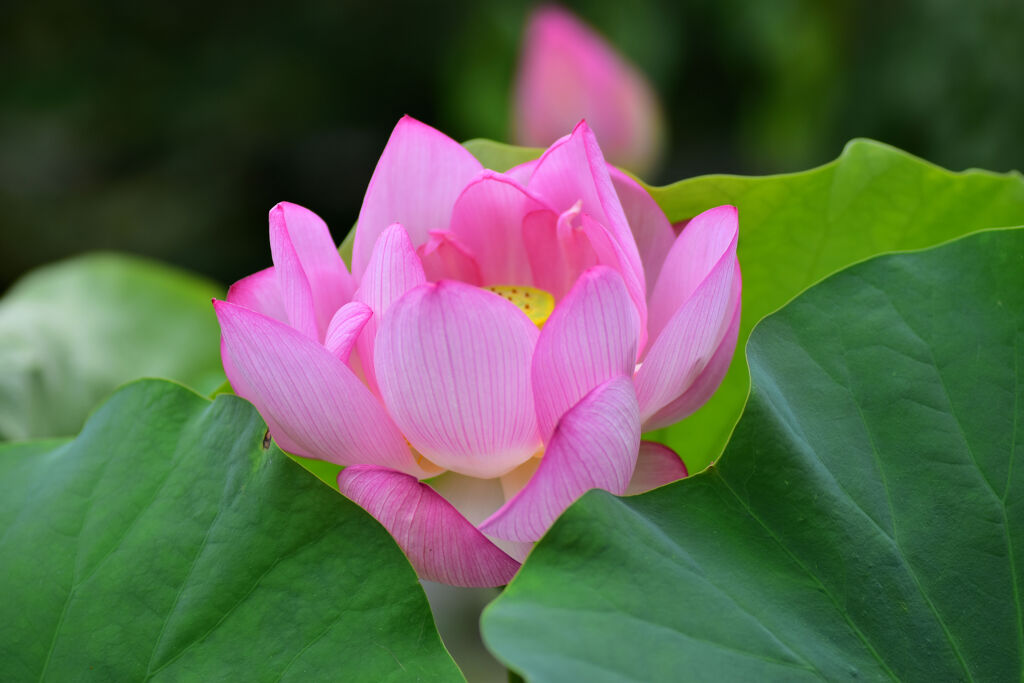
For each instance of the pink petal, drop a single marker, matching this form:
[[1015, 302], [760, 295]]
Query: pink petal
[[511, 484], [312, 277], [319, 406], [590, 338], [241, 388], [453, 365], [594, 446], [295, 289], [574, 170], [393, 270], [477, 499], [260, 292], [417, 179], [568, 72], [689, 342], [608, 254], [559, 249], [710, 377], [445, 258], [345, 327], [439, 542], [652, 231], [708, 241], [656, 465], [488, 221], [523, 171]]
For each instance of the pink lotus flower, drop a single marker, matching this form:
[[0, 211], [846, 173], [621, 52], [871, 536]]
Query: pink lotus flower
[[567, 72], [502, 336]]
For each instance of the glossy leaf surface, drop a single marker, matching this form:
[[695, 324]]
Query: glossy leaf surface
[[171, 540], [866, 521]]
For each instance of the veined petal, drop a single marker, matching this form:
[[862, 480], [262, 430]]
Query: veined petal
[[608, 253], [328, 277], [477, 499], [594, 446], [652, 231], [656, 465], [697, 394], [573, 169], [690, 340], [393, 270], [707, 241], [453, 366], [296, 292], [345, 327], [241, 388], [441, 544], [487, 219], [260, 292], [418, 177], [558, 248], [522, 172], [445, 258], [590, 338], [317, 403], [312, 277]]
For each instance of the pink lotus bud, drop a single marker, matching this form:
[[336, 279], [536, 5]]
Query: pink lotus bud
[[567, 72], [505, 336]]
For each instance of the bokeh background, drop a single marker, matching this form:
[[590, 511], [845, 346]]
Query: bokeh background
[[169, 129]]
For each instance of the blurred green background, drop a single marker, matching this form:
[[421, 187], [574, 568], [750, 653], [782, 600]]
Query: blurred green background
[[169, 129]]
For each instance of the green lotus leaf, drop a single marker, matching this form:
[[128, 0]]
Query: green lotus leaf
[[71, 332], [866, 520], [171, 540]]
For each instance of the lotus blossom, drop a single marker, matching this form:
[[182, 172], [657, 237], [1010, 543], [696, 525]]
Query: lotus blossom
[[568, 72], [497, 348]]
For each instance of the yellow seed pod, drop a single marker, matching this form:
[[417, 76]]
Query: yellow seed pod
[[537, 304]]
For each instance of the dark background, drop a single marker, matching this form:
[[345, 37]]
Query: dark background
[[169, 129]]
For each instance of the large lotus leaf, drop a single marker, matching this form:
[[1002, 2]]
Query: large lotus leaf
[[71, 332], [798, 228], [865, 522], [171, 540]]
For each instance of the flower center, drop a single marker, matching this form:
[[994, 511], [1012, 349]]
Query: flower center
[[537, 304]]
